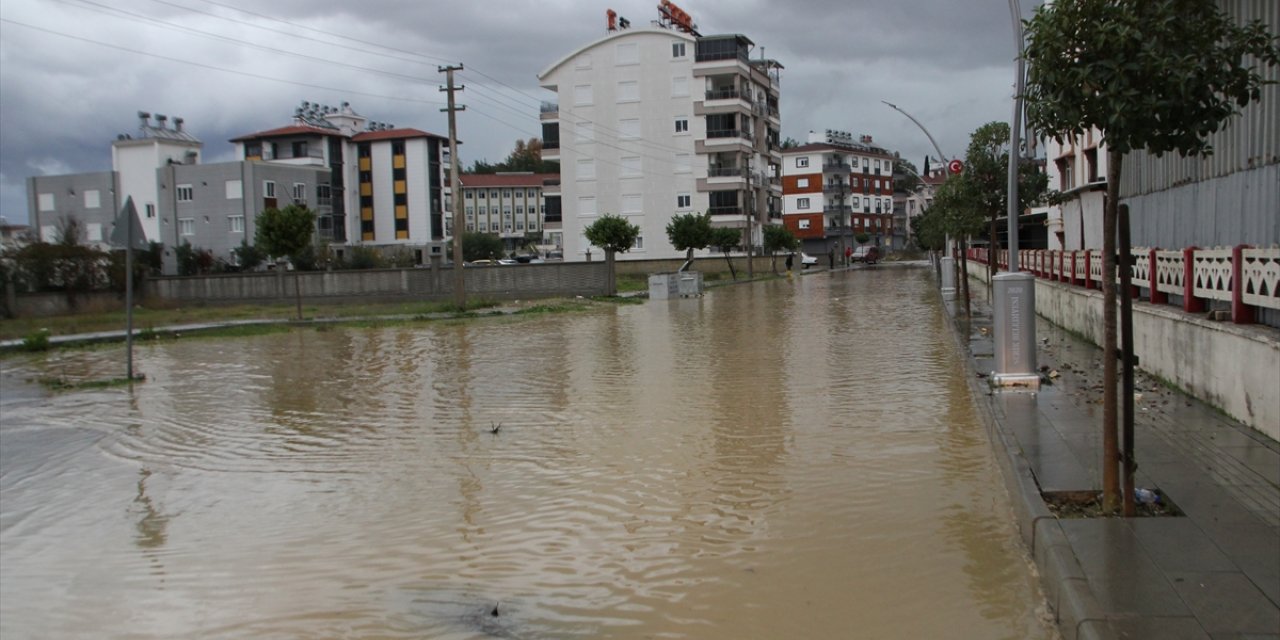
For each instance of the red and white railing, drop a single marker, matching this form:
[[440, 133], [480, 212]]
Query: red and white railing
[[1246, 277]]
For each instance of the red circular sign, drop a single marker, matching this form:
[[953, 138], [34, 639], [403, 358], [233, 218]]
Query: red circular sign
[[955, 166]]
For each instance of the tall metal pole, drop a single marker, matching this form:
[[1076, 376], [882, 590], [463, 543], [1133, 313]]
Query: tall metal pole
[[1015, 132], [128, 292], [459, 222]]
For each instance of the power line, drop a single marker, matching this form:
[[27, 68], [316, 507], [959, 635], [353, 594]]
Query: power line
[[216, 68]]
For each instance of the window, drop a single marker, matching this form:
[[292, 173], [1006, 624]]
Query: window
[[628, 53], [639, 243], [802, 183], [151, 210], [533, 225], [679, 86], [92, 199], [629, 128], [586, 205], [471, 212], [682, 125], [268, 189], [519, 225], [584, 132], [582, 95], [300, 192], [324, 195], [683, 201], [484, 226], [187, 226], [237, 224], [46, 202], [494, 194], [802, 203], [519, 209], [506, 193], [802, 162], [468, 194], [300, 149], [631, 203], [531, 193], [803, 223], [877, 166], [630, 167], [865, 163], [586, 169], [682, 163], [93, 232], [866, 203], [628, 91], [677, 49]]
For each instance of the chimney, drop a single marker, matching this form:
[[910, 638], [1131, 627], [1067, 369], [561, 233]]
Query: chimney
[[145, 118], [177, 124], [160, 120]]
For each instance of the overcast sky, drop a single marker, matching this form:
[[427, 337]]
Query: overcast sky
[[74, 73]]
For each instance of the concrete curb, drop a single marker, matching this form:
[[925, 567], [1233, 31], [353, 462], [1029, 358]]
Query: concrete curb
[[1077, 613]]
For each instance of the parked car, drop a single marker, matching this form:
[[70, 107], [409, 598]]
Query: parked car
[[482, 263], [507, 261], [867, 253], [807, 260]]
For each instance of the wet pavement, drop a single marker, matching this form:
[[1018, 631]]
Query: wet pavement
[[1211, 574]]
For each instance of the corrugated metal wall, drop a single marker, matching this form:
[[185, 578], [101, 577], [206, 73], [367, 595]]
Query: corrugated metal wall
[[1230, 197]]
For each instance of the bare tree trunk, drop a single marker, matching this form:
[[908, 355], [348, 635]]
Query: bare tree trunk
[[1110, 451], [297, 290], [729, 261], [611, 279], [964, 277]]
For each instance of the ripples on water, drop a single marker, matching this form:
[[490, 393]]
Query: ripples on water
[[787, 459]]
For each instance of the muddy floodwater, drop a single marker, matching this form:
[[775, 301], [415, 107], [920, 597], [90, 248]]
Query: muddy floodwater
[[791, 459]]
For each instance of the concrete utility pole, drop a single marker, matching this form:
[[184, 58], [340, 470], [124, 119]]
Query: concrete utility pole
[[459, 222]]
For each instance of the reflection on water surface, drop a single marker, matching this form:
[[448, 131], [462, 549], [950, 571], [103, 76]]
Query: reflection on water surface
[[796, 458]]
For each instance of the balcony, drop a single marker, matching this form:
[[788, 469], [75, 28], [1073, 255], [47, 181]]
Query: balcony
[[837, 167], [549, 111], [726, 172], [836, 209], [729, 133], [730, 210], [836, 187]]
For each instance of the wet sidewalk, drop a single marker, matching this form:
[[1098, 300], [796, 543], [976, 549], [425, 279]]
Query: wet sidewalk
[[1212, 574]]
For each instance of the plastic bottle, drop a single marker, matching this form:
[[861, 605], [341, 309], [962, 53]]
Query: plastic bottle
[[1145, 496]]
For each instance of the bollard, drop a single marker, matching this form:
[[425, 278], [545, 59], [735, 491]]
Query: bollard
[[1013, 314], [948, 278]]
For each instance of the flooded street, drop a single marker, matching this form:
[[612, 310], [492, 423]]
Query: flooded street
[[790, 459]]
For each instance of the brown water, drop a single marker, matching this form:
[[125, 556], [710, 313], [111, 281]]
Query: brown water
[[793, 459]]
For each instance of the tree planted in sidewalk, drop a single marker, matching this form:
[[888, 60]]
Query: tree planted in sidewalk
[[689, 231], [778, 238], [615, 235], [287, 233], [986, 171], [726, 239], [1158, 76]]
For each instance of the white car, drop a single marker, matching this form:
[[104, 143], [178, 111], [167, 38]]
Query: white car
[[807, 260]]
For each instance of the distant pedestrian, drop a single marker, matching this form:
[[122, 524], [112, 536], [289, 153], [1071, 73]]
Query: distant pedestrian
[[848, 253], [789, 263], [831, 257]]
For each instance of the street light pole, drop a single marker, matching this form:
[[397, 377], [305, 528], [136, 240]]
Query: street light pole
[[947, 266], [1014, 292]]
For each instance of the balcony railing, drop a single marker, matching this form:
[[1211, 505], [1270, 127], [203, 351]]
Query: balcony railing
[[730, 210], [723, 94], [835, 187], [550, 144], [837, 166], [729, 133], [549, 107], [836, 209], [726, 172]]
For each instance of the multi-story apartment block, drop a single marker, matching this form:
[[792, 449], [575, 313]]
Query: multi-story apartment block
[[659, 121], [369, 184], [1077, 168], [512, 206], [834, 189]]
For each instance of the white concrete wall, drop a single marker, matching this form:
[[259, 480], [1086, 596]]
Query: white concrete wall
[[1233, 367]]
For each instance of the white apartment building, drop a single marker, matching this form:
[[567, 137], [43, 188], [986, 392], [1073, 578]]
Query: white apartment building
[[835, 188], [1078, 169], [654, 122]]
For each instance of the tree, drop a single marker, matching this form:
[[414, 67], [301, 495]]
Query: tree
[[727, 239], [790, 143], [1155, 76], [960, 216], [480, 246], [287, 233], [986, 180], [689, 231], [862, 237], [527, 156], [906, 178], [249, 257], [613, 234], [778, 238]]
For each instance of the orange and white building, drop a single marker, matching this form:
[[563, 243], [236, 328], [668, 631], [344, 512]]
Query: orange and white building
[[834, 188]]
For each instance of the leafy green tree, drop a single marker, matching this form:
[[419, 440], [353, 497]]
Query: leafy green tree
[[726, 239], [249, 257], [689, 231], [790, 143], [986, 177], [480, 246], [862, 237], [186, 256], [960, 216], [613, 234], [1155, 76], [778, 238], [287, 232], [906, 178]]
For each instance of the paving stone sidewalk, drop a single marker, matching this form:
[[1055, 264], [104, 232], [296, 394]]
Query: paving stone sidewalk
[[1213, 574]]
